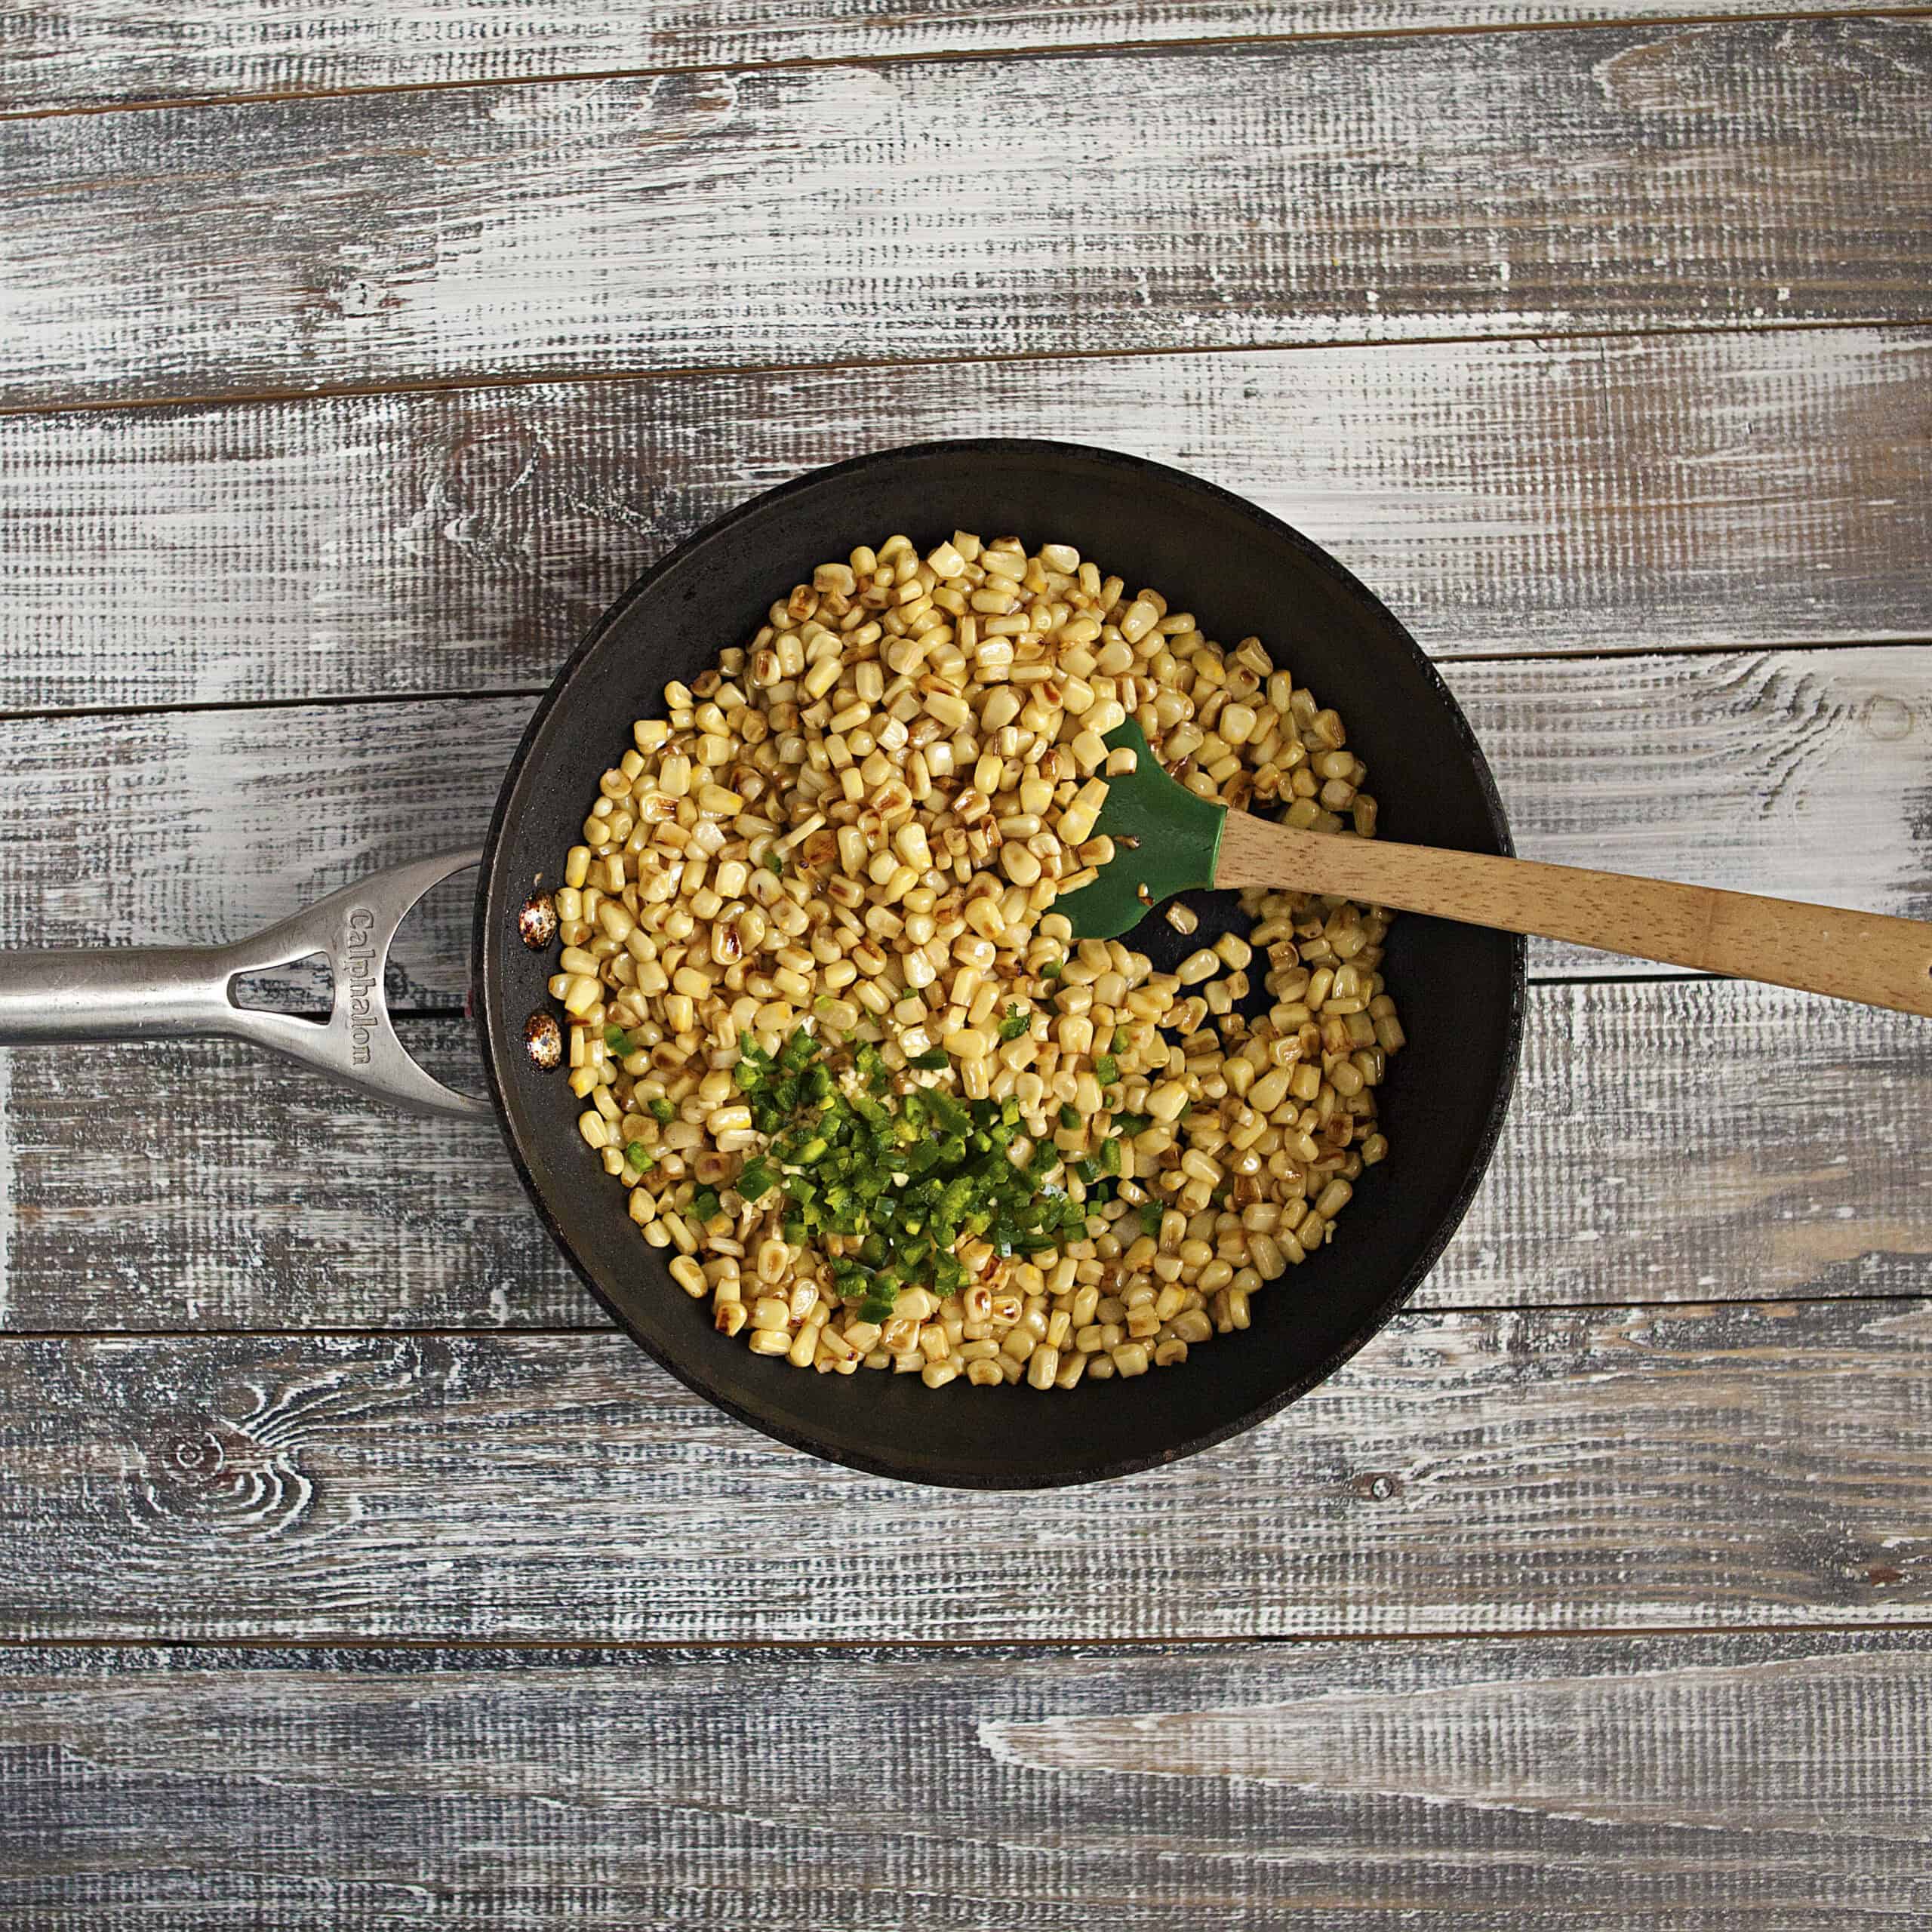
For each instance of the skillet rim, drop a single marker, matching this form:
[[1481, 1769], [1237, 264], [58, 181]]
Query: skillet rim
[[486, 1002]]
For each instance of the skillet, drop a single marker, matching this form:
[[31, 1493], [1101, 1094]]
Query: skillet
[[1459, 988]]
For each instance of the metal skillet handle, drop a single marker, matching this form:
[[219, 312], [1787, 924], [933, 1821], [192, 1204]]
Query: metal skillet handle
[[172, 993]]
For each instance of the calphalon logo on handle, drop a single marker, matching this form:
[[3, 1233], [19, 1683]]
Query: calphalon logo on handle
[[359, 969]]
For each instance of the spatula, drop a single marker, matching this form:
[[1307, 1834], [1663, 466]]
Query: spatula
[[1167, 840]]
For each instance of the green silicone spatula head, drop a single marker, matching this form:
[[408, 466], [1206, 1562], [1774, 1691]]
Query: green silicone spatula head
[[1166, 840]]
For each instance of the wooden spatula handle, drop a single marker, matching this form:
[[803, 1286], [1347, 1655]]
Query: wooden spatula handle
[[1862, 956]]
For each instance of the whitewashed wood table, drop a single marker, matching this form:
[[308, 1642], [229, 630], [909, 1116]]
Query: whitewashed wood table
[[353, 1573]]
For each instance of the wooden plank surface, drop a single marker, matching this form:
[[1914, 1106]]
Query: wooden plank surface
[[1512, 184], [1652, 493], [1681, 1141], [1807, 773], [1674, 1371], [82, 54], [1747, 1464], [1729, 1782]]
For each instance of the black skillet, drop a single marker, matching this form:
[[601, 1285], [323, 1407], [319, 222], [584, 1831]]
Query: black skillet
[[1459, 988]]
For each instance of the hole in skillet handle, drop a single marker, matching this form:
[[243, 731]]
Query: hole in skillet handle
[[352, 932]]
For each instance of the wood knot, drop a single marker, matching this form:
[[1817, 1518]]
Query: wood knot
[[491, 461], [1888, 718], [202, 1468], [687, 106], [191, 1450], [1380, 1486]]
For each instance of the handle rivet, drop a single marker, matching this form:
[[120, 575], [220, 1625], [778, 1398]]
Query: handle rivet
[[536, 923], [543, 1040]]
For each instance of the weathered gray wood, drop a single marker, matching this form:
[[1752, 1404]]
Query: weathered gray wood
[[1807, 773], [244, 1192], [1664, 177], [1673, 1140], [1605, 1469], [94, 53], [1684, 1141], [1650, 493], [1755, 1463], [1729, 1782], [233, 819]]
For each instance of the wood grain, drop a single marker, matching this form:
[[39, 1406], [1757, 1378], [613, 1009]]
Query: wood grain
[[1728, 1782], [1659, 177], [1800, 774], [1746, 1447], [1807, 773], [1669, 1142], [236, 819], [98, 53], [1501, 497], [1750, 1464], [1869, 957]]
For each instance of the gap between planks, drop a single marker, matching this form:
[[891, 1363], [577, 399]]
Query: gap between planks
[[344, 700], [566, 376], [554, 1331], [1033, 50], [577, 1648]]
